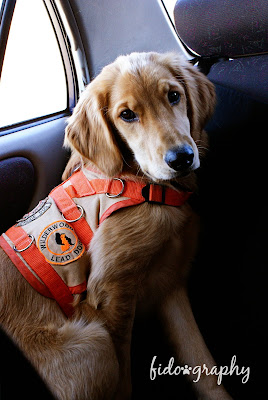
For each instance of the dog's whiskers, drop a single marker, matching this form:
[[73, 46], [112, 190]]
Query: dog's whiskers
[[201, 141], [138, 171], [202, 147], [126, 162], [200, 144], [104, 109]]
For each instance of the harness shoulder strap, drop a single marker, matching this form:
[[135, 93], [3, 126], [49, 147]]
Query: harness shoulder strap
[[73, 214], [24, 245]]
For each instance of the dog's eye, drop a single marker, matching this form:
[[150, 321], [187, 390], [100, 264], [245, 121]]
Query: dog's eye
[[128, 116], [173, 97]]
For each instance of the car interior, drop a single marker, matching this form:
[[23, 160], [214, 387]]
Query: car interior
[[227, 41]]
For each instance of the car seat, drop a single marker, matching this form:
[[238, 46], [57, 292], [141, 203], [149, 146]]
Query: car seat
[[229, 42]]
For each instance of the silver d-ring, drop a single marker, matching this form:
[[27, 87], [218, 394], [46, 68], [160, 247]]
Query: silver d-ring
[[118, 194], [77, 219], [25, 248]]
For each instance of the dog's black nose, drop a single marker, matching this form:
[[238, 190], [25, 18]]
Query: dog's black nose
[[180, 158]]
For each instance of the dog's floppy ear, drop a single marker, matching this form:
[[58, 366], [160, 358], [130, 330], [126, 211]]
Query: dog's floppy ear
[[89, 131], [200, 92]]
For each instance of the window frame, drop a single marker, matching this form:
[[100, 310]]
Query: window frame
[[6, 14], [71, 51]]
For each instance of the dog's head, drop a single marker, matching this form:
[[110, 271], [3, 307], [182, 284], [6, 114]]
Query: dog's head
[[155, 104]]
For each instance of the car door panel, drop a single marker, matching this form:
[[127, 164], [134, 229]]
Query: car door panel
[[17, 186], [42, 145]]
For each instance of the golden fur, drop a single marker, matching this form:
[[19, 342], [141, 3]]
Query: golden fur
[[140, 256]]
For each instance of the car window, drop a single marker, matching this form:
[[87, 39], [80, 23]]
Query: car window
[[33, 82], [169, 5]]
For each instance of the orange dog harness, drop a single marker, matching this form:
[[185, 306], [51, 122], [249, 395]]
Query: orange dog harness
[[48, 245]]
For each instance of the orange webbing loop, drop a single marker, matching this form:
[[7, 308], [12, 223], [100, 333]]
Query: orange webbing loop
[[73, 214], [81, 185], [33, 257]]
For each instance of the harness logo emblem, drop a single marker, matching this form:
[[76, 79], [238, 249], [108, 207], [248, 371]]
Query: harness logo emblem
[[59, 243]]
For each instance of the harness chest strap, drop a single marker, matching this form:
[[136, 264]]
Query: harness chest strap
[[78, 186]]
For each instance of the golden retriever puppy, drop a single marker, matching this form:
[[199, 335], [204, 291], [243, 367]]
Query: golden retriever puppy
[[139, 127]]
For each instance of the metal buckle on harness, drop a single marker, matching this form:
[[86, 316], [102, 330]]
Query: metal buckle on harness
[[146, 193], [77, 219], [121, 191], [25, 248]]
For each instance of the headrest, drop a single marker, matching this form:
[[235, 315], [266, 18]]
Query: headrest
[[224, 28]]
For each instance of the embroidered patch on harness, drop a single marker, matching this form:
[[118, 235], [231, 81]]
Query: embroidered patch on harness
[[59, 243], [37, 212]]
